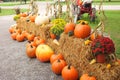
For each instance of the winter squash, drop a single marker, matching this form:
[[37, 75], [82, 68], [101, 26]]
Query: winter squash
[[58, 65], [30, 51], [20, 37], [87, 77], [69, 73], [69, 27], [39, 20], [93, 36], [56, 57], [44, 52], [82, 30], [24, 33]]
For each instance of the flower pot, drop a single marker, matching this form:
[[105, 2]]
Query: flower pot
[[100, 58]]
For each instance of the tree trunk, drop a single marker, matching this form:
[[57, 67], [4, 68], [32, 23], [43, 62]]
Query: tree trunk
[[109, 0]]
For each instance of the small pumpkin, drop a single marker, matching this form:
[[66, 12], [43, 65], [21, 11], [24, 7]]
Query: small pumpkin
[[56, 57], [11, 30], [69, 27], [82, 30], [30, 37], [87, 77], [94, 36], [20, 37], [40, 41], [32, 18], [53, 36], [14, 35], [58, 65], [69, 73], [30, 51], [44, 52], [23, 15]]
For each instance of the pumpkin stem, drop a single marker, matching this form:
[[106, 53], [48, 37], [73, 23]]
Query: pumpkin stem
[[58, 60], [31, 46], [69, 66], [29, 41], [83, 23]]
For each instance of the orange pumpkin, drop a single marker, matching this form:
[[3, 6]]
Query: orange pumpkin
[[56, 57], [32, 18], [30, 51], [20, 37], [93, 36], [24, 33], [58, 65], [30, 37], [11, 29], [53, 36], [13, 35], [87, 77], [69, 73], [82, 30], [40, 41], [69, 27], [23, 15]]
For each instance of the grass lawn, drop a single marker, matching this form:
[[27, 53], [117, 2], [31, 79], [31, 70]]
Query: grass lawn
[[112, 27], [9, 11]]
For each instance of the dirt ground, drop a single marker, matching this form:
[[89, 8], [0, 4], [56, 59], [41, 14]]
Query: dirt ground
[[14, 64]]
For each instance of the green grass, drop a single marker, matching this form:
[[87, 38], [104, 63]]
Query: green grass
[[12, 3], [9, 11], [112, 27]]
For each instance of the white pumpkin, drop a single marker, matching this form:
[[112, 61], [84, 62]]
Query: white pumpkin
[[39, 20]]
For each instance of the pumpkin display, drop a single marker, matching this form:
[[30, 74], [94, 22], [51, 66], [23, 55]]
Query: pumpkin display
[[30, 37], [44, 52], [87, 77], [14, 35], [58, 65], [69, 73], [20, 37], [82, 30], [56, 57], [30, 51], [39, 20], [69, 27]]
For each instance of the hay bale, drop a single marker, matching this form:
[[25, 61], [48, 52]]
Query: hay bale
[[31, 27], [80, 55]]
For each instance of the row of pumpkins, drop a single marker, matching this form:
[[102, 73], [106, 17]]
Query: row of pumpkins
[[36, 47]]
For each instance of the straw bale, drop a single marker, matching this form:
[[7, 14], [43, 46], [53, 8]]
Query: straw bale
[[79, 55], [42, 31]]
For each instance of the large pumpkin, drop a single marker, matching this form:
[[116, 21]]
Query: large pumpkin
[[82, 30], [58, 65], [69, 73], [44, 52], [56, 57]]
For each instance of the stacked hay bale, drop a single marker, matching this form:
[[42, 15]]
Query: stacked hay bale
[[79, 55], [42, 31]]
